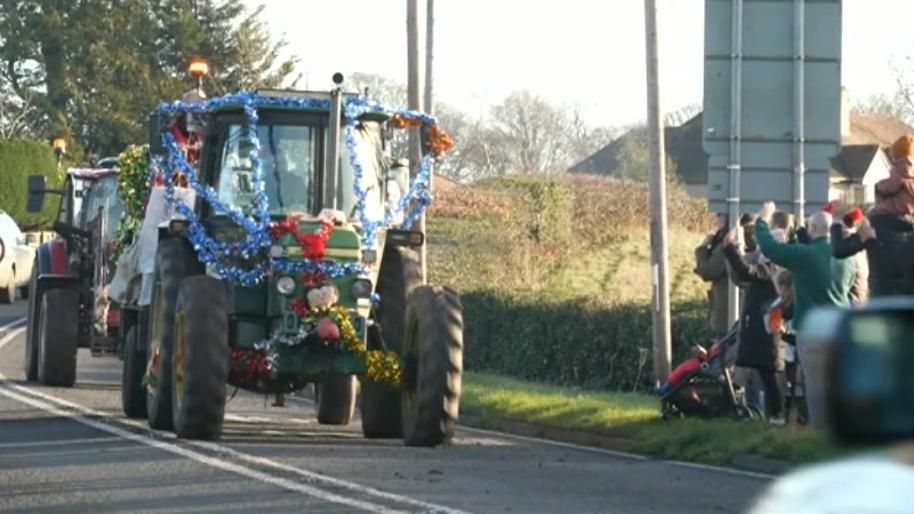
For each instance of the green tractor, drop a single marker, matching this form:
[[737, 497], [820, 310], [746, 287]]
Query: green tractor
[[288, 259]]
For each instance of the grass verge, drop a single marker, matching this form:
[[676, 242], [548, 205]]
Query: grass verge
[[629, 422]]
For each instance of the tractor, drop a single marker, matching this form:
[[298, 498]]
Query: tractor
[[68, 308], [288, 259]]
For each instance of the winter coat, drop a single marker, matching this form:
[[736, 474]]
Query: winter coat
[[895, 195], [890, 257], [758, 348], [711, 266], [860, 289], [819, 279]]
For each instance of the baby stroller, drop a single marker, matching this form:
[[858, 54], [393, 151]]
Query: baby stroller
[[703, 385]]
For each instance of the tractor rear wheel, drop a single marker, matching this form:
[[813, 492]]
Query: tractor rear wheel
[[31, 334], [175, 261], [200, 363], [133, 391], [432, 366], [400, 274], [336, 399], [58, 336]]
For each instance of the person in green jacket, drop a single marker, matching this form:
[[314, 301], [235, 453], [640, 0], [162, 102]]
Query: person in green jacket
[[819, 280]]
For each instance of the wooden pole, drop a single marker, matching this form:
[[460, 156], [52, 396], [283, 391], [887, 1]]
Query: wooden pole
[[660, 305], [414, 95]]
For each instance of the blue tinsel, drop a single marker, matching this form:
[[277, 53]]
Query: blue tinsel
[[215, 254]]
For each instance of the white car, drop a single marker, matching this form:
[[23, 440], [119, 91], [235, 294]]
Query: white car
[[16, 260]]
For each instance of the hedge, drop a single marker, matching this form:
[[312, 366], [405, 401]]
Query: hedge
[[20, 158], [581, 342]]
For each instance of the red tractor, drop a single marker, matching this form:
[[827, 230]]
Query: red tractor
[[68, 307]]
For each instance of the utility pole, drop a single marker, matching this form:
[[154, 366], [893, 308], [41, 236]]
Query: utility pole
[[414, 95], [429, 104], [660, 297]]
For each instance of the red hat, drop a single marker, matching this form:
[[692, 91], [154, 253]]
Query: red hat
[[853, 216], [829, 207]]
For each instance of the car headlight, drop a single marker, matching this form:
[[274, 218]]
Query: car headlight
[[285, 285], [361, 288]]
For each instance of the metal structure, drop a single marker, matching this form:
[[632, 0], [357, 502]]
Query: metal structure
[[772, 102], [660, 305]]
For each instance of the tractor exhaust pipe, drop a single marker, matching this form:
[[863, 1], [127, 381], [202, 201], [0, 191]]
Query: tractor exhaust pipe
[[332, 163]]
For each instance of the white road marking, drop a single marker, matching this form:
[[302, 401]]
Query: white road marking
[[28, 397]]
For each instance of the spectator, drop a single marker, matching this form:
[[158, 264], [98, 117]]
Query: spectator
[[819, 280], [860, 290], [710, 265], [779, 321], [758, 349]]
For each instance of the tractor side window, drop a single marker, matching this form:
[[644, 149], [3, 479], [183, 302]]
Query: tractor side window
[[287, 162]]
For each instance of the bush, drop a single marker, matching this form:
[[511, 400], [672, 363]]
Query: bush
[[579, 342], [20, 158]]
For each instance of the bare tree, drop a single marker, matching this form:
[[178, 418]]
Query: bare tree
[[534, 132], [18, 114]]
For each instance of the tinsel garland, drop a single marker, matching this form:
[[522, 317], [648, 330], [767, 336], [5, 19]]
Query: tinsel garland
[[219, 255], [132, 189]]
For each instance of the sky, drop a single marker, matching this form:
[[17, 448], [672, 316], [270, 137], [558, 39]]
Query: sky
[[584, 53]]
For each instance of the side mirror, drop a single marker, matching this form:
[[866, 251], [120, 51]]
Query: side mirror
[[37, 185], [870, 394]]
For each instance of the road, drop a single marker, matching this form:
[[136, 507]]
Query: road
[[72, 451]]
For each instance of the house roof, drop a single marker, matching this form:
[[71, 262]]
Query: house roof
[[868, 133], [881, 129], [682, 144], [854, 160]]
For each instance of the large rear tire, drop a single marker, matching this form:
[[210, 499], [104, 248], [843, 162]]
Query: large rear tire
[[336, 399], [400, 274], [433, 366], [31, 334], [201, 359], [58, 336], [175, 261], [133, 391]]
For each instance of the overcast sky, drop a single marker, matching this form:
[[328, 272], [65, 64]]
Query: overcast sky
[[584, 52]]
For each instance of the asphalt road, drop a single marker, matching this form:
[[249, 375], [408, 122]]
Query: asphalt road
[[72, 451]]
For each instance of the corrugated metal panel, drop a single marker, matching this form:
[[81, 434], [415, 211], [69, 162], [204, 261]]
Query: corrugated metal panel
[[768, 123]]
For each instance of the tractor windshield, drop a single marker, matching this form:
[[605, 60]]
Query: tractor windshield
[[288, 156]]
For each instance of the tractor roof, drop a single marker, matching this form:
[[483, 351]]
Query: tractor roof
[[277, 99], [92, 173]]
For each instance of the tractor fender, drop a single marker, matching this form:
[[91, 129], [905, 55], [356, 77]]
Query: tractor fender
[[53, 265], [52, 258]]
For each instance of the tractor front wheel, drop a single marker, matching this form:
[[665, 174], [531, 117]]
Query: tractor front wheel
[[200, 363], [336, 399], [432, 366], [133, 391], [175, 261], [58, 335], [31, 334]]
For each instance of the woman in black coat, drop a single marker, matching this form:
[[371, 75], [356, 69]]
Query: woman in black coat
[[758, 349]]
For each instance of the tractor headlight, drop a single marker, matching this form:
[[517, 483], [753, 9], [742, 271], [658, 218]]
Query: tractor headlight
[[361, 288], [285, 285], [277, 251]]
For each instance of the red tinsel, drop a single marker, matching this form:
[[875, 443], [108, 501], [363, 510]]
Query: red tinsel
[[248, 366], [313, 279], [299, 307], [313, 244]]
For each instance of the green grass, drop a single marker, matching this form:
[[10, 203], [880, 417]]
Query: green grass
[[633, 421]]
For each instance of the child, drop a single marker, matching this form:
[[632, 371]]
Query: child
[[895, 195], [779, 321]]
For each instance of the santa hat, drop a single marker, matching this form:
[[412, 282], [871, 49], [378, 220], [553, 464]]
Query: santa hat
[[829, 207], [853, 217]]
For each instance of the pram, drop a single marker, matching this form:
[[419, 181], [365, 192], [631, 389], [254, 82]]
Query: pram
[[703, 385]]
